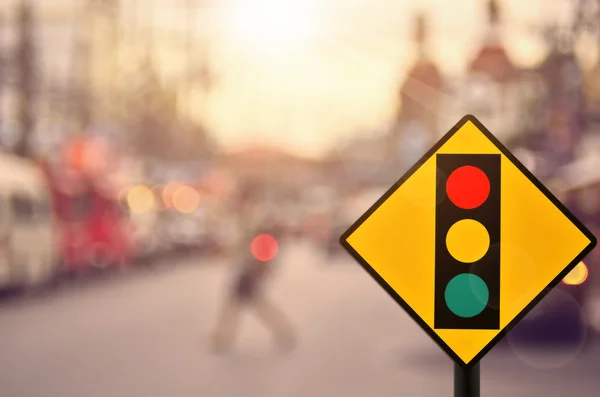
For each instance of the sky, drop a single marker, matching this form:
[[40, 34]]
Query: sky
[[342, 76], [302, 74]]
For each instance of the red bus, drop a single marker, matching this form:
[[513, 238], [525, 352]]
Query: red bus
[[94, 228]]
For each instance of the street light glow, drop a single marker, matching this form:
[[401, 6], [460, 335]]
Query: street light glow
[[272, 24]]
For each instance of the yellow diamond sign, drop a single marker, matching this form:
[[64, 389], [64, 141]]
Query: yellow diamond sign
[[468, 241]]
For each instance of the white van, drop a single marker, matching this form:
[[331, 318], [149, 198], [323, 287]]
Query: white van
[[28, 238]]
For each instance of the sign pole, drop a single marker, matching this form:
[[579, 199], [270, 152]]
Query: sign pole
[[466, 381]]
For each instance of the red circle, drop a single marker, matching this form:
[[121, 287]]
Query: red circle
[[264, 247], [468, 187]]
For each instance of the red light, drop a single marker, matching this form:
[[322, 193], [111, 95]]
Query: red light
[[264, 247], [468, 187]]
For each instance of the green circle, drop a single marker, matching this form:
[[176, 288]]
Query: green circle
[[466, 295]]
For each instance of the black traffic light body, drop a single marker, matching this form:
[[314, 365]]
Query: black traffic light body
[[487, 268]]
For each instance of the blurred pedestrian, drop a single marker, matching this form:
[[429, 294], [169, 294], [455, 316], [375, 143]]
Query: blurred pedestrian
[[247, 289]]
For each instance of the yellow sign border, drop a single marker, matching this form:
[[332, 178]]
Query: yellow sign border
[[468, 118]]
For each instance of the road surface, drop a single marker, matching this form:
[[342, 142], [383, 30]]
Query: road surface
[[143, 334]]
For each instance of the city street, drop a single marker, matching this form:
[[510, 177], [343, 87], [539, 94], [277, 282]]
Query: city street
[[143, 334]]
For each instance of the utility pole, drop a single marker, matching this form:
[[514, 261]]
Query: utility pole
[[80, 93], [190, 10], [83, 111], [103, 56], [25, 67], [197, 71], [84, 93]]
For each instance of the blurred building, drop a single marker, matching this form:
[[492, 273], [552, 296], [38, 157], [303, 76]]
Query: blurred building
[[48, 38], [86, 79], [495, 90], [565, 106], [162, 58], [559, 113], [590, 145], [417, 125], [378, 157]]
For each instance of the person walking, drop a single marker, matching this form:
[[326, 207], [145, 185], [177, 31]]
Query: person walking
[[257, 250]]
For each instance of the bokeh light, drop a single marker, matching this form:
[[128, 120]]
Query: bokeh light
[[185, 199], [140, 199], [168, 192], [577, 276], [264, 247], [74, 154]]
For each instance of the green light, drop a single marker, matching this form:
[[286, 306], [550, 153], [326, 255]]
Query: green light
[[466, 295]]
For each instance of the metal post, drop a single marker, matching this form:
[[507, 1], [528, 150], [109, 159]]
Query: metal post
[[466, 381]]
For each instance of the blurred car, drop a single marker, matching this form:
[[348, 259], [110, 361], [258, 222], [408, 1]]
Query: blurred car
[[565, 314], [582, 197], [181, 230], [28, 235], [193, 231]]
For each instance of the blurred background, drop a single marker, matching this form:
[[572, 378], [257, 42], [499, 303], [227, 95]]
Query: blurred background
[[132, 132]]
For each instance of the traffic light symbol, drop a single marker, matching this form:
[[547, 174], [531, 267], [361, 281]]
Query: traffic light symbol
[[467, 246]]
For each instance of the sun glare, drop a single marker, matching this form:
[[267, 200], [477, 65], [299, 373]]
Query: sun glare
[[272, 24]]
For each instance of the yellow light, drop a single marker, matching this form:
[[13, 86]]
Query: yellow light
[[140, 199], [272, 24], [186, 199], [468, 241], [577, 276]]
